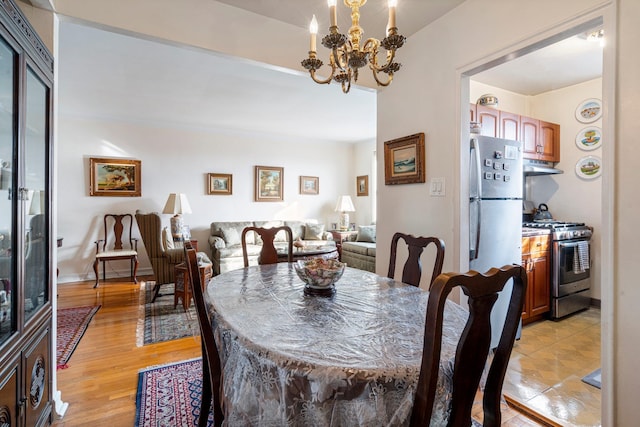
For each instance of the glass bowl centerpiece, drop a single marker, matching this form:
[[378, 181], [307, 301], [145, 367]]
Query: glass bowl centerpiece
[[319, 275]]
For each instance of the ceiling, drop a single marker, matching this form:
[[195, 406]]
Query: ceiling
[[131, 79]]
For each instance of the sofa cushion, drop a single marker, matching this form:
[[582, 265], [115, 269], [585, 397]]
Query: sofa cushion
[[297, 228], [366, 233], [236, 251], [362, 248], [313, 231], [232, 235]]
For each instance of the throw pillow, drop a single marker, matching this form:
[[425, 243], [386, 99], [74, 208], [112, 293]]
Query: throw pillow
[[167, 239], [313, 231], [366, 233], [231, 235]]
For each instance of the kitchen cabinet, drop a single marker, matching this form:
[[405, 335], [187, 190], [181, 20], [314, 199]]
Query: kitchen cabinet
[[540, 139], [26, 244], [536, 259]]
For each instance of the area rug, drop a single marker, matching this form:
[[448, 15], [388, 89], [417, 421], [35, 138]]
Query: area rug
[[594, 378], [170, 395], [160, 321], [72, 324]]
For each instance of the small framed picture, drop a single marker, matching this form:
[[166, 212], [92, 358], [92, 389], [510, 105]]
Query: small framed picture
[[362, 185], [115, 177], [404, 160], [268, 184], [309, 185], [220, 183]]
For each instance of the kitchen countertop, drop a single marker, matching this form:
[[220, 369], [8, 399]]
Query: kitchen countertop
[[531, 231]]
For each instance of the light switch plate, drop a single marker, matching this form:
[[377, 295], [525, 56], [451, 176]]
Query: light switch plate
[[437, 187]]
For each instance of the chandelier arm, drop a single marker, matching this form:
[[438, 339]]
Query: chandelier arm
[[390, 57], [322, 82], [348, 87], [388, 82]]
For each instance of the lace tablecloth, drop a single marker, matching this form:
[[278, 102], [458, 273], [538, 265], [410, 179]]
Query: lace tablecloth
[[352, 359]]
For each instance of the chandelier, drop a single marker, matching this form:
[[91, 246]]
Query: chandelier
[[349, 54]]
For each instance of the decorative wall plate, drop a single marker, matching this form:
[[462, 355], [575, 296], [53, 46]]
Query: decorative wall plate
[[589, 110], [589, 167], [589, 138]]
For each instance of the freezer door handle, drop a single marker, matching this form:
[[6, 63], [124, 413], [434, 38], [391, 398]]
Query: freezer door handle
[[476, 187]]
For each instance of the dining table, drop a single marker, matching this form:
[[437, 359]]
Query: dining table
[[349, 359]]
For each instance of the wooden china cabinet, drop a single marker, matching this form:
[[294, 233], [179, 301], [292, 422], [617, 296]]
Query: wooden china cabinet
[[26, 356]]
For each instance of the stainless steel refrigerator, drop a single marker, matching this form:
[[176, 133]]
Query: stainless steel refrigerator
[[495, 213]]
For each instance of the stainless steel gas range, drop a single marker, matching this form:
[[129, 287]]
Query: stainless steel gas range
[[571, 265]]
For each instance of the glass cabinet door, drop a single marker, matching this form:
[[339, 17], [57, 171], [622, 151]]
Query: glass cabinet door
[[8, 319], [35, 194]]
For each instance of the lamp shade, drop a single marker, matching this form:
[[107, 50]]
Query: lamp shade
[[177, 204], [345, 204]]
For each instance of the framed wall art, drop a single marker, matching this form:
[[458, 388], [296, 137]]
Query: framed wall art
[[404, 160], [115, 177], [309, 185], [362, 185], [268, 183], [220, 183]]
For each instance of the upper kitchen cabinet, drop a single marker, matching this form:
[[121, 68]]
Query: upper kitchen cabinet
[[540, 139], [509, 126], [26, 87], [489, 119]]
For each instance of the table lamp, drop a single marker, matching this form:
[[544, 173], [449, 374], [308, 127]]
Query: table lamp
[[177, 204], [344, 205]]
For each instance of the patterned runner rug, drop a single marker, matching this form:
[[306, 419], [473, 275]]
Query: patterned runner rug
[[169, 395], [160, 321], [72, 324]]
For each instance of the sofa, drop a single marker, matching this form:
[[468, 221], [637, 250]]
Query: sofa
[[226, 247], [360, 250]]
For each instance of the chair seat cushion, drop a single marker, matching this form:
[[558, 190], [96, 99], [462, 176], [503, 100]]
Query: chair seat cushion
[[122, 253]]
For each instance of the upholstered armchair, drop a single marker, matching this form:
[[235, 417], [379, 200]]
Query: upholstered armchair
[[163, 258]]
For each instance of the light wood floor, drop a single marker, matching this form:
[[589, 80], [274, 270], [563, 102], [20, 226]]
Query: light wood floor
[[101, 381]]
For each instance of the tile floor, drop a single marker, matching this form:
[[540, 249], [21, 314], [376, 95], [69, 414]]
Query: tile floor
[[546, 369]]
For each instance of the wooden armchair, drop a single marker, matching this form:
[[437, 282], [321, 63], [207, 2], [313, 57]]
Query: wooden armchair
[[117, 244], [412, 271], [268, 254], [473, 348], [163, 261]]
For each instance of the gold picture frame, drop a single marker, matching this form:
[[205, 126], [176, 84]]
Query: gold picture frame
[[115, 177], [404, 160], [268, 184], [309, 185], [220, 184], [362, 185]]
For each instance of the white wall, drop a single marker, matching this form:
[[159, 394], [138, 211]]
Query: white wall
[[363, 154], [568, 196], [178, 160]]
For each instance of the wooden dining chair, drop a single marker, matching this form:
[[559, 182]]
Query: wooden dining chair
[[473, 347], [211, 366], [268, 253], [117, 244], [412, 271]]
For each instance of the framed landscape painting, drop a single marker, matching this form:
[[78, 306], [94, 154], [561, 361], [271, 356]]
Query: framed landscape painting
[[115, 177], [220, 183], [268, 183], [309, 185], [362, 185], [404, 160]]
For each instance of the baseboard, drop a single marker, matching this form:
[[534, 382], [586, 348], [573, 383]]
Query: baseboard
[[123, 274], [595, 303]]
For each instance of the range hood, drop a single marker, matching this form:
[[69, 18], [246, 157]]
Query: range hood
[[539, 167]]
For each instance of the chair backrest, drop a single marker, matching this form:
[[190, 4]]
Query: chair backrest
[[473, 348], [120, 226], [210, 356], [412, 271], [268, 253], [150, 230]]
